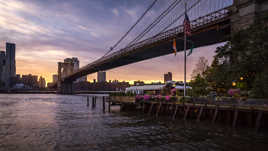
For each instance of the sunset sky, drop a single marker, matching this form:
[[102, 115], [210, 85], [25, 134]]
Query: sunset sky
[[47, 31]]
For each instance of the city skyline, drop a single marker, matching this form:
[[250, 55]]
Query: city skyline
[[42, 40]]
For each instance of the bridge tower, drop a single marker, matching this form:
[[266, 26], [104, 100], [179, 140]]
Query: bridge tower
[[246, 12], [65, 69]]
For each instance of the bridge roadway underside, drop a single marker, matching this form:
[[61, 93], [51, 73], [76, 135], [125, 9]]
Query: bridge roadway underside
[[207, 35]]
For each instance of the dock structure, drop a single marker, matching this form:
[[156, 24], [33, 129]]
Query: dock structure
[[235, 115]]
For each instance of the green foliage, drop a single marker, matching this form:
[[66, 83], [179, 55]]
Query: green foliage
[[242, 61], [260, 86], [199, 86]]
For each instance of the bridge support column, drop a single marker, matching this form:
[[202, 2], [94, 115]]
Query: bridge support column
[[66, 88], [246, 12]]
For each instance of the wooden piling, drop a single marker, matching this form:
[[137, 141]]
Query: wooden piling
[[143, 107], [215, 114], [151, 108], [166, 109], [200, 114], [109, 104], [235, 117], [158, 109], [92, 100], [258, 120], [186, 112], [87, 101], [250, 118], [175, 112], [103, 103]]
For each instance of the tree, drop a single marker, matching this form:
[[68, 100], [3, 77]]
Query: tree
[[199, 86], [243, 60], [201, 67], [260, 85]]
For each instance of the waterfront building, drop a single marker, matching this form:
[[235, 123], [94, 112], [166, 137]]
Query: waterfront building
[[42, 82], [138, 83], [7, 65], [101, 76], [2, 68], [54, 78], [50, 85], [30, 81], [11, 62], [168, 77]]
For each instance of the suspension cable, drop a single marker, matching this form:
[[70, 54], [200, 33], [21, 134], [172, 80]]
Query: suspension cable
[[131, 28], [155, 22], [175, 20]]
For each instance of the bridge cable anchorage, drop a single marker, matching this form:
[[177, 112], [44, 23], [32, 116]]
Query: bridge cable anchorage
[[131, 28], [176, 19], [155, 22]]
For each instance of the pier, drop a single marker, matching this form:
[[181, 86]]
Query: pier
[[234, 115]]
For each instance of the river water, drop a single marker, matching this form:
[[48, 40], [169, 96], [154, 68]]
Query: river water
[[42, 122]]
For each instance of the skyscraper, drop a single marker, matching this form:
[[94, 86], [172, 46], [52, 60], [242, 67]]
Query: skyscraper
[[2, 68], [10, 55], [54, 78], [42, 82], [7, 65], [168, 77], [101, 76]]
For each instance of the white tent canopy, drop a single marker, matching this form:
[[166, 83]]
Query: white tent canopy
[[141, 89], [179, 87]]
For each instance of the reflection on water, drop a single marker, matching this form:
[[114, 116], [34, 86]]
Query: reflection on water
[[64, 123]]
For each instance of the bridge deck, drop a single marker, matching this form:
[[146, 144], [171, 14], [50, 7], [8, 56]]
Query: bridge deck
[[210, 29]]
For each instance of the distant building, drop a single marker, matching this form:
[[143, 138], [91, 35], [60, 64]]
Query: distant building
[[138, 83], [30, 80], [50, 85], [54, 78], [101, 76], [2, 69], [168, 77], [8, 66], [42, 82], [11, 62]]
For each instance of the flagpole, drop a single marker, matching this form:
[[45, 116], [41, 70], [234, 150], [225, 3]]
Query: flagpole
[[185, 38]]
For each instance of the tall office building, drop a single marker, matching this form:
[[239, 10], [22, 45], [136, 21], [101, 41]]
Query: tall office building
[[7, 65], [54, 78], [168, 77], [10, 55], [42, 82], [101, 76], [2, 68]]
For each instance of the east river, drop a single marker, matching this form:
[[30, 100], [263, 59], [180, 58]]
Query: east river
[[42, 122]]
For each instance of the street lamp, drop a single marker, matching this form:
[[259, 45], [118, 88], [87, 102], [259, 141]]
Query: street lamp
[[234, 84]]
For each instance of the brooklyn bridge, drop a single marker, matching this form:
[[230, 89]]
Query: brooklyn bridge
[[213, 21]]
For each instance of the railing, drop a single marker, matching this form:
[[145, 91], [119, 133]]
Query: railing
[[195, 24], [199, 22]]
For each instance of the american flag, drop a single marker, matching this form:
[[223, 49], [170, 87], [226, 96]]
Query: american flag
[[187, 25]]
